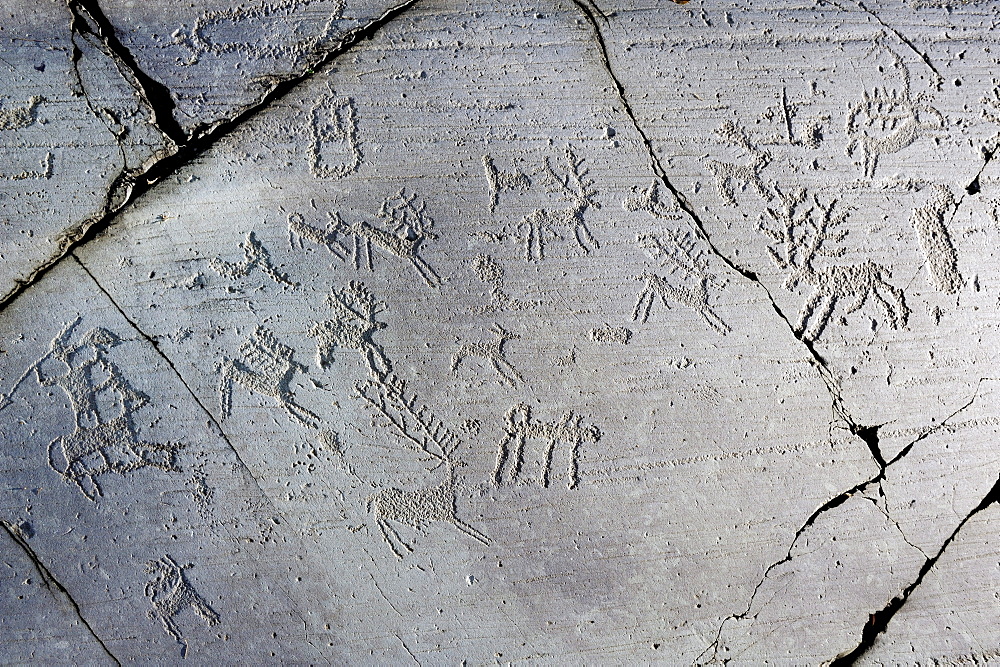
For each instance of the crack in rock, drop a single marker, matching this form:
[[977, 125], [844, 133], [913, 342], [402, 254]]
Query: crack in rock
[[127, 188], [834, 503], [49, 580], [156, 347]]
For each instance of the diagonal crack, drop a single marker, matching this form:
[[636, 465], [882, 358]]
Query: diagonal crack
[[134, 185], [837, 501], [156, 347], [156, 94], [869, 434], [880, 619], [939, 80], [17, 536]]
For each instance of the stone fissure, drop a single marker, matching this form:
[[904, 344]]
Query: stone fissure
[[49, 580]]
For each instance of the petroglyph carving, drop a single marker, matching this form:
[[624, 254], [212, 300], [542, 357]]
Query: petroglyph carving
[[219, 32], [649, 201], [991, 111], [265, 367], [298, 230], [610, 334], [493, 353], [728, 174], [499, 181], [255, 255], [170, 593], [354, 322], [419, 508], [568, 430], [16, 118], [688, 269], [886, 121], [334, 151], [406, 227], [104, 439], [415, 424], [803, 225], [492, 273], [44, 172], [935, 241], [573, 187]]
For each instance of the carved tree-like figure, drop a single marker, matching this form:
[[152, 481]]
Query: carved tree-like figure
[[416, 426], [744, 176], [104, 439], [199, 43], [493, 353], [352, 327], [502, 180], [266, 367], [568, 430], [803, 226], [678, 250], [886, 121], [170, 593], [255, 255], [573, 187], [333, 120]]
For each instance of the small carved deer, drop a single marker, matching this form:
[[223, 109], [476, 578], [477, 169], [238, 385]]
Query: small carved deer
[[170, 593], [419, 508], [575, 188], [493, 352], [802, 230]]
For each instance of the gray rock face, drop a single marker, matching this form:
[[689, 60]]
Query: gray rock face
[[509, 332]]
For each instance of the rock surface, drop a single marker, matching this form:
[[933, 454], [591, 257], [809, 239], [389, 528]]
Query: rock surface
[[358, 332]]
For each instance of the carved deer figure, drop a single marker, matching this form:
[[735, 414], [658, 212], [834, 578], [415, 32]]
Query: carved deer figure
[[678, 251], [298, 230], [411, 226], [266, 367], [802, 230], [170, 593], [255, 255], [355, 311], [418, 509], [573, 187], [568, 430], [493, 352], [727, 173]]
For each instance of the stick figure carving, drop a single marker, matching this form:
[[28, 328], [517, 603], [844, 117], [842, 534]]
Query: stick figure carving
[[255, 255]]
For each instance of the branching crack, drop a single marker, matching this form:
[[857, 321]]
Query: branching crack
[[135, 184], [156, 95], [836, 502], [869, 434], [49, 580], [879, 620], [156, 347]]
